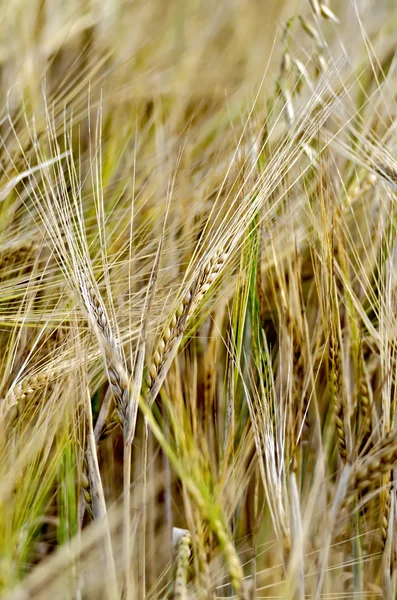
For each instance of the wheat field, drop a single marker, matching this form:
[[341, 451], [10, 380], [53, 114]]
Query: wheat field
[[198, 277]]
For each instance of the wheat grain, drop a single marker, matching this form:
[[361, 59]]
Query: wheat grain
[[385, 502], [380, 460], [311, 30], [327, 13]]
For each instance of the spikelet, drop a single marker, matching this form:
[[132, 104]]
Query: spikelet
[[208, 276], [26, 387], [303, 75], [327, 13], [315, 6], [364, 406], [111, 423], [320, 63], [182, 559], [288, 107], [384, 513], [364, 402], [379, 461], [286, 64], [85, 492], [337, 394], [311, 30]]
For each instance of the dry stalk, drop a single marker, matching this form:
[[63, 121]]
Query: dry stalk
[[97, 497]]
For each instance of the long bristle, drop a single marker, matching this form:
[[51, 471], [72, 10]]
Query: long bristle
[[198, 306]]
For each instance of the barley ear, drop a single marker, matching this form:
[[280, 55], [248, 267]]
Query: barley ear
[[336, 392], [183, 550]]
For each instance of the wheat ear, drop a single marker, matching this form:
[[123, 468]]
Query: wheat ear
[[182, 559], [337, 393], [379, 461], [26, 387], [385, 504], [117, 374], [172, 335]]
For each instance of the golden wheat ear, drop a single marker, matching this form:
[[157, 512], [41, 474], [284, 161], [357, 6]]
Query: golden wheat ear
[[168, 344]]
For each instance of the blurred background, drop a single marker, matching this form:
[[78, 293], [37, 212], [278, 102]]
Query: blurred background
[[194, 48]]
